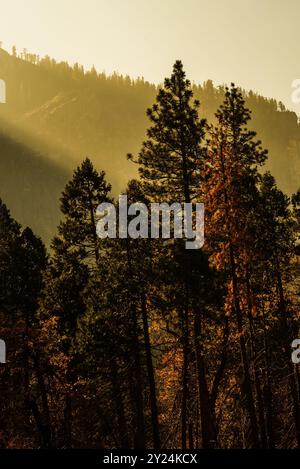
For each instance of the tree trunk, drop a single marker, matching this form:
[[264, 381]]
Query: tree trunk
[[287, 350], [185, 378], [208, 426], [257, 384], [118, 401], [151, 377], [244, 359]]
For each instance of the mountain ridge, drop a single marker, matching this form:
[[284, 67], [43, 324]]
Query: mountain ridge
[[64, 114]]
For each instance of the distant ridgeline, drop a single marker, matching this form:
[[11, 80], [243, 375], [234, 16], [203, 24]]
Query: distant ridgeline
[[57, 114]]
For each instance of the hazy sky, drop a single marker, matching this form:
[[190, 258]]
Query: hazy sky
[[254, 43]]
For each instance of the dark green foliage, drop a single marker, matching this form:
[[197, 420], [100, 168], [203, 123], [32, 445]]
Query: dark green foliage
[[171, 158]]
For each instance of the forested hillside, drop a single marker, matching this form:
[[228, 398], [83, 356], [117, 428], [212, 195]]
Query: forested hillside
[[31, 184], [65, 114], [139, 342]]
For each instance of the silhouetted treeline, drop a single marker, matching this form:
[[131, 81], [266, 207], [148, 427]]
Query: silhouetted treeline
[[141, 342]]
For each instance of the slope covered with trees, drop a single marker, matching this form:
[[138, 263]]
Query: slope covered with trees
[[141, 342], [66, 113]]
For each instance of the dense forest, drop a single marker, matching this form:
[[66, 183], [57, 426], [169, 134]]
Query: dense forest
[[141, 343], [62, 113]]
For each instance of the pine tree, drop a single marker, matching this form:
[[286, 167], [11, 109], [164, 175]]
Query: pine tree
[[75, 257], [279, 249], [170, 166], [234, 157], [171, 158], [79, 202]]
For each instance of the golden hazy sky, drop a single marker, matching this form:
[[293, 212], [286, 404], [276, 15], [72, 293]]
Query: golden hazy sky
[[254, 43]]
